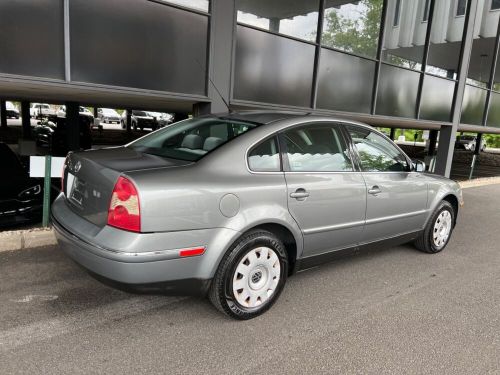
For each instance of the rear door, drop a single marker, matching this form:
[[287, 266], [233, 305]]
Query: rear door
[[326, 196], [396, 196]]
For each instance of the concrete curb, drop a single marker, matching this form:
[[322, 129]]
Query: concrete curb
[[26, 239], [479, 182]]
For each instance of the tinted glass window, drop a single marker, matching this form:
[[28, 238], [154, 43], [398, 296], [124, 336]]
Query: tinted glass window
[[298, 18], [446, 39], [317, 148], [376, 153], [397, 92], [190, 140], [473, 106], [195, 4], [461, 6], [272, 69], [344, 82], [32, 28], [353, 26], [265, 157], [495, 4], [437, 99], [404, 42], [494, 113], [483, 45], [138, 50]]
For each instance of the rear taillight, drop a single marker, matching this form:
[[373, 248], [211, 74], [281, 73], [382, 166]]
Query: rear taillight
[[124, 209]]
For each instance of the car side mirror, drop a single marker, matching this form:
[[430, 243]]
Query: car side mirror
[[418, 165]]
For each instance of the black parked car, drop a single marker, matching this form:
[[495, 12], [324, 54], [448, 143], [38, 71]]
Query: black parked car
[[21, 198]]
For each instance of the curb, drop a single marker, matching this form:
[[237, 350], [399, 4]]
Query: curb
[[26, 239], [479, 182]]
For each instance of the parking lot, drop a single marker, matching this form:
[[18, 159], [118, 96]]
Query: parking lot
[[391, 311]]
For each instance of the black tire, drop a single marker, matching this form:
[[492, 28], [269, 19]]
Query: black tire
[[221, 294], [425, 242]]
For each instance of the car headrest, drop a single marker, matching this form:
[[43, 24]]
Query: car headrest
[[211, 143], [192, 141]]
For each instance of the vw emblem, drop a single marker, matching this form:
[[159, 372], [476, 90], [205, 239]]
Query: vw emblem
[[256, 277], [78, 166]]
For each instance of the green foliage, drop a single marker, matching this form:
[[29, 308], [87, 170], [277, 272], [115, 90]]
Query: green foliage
[[357, 35]]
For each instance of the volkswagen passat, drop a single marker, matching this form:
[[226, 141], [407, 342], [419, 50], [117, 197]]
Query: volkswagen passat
[[231, 205]]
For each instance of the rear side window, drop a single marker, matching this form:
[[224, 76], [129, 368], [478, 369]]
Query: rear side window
[[317, 148], [376, 153], [265, 157]]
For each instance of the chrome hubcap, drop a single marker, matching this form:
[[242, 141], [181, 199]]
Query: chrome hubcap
[[442, 229], [256, 277]]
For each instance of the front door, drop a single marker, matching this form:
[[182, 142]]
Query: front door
[[396, 196], [326, 196]]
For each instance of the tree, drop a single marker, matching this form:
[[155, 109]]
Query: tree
[[357, 31]]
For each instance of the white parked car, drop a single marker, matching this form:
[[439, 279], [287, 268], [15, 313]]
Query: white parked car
[[38, 110]]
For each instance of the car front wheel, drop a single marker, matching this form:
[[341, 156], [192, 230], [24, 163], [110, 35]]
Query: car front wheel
[[251, 276], [438, 230]]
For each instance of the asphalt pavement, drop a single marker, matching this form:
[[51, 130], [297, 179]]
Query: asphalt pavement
[[389, 311]]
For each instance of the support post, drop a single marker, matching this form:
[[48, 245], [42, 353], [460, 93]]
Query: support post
[[46, 191], [392, 134], [129, 120], [3, 114], [477, 151], [25, 119], [222, 30], [72, 126], [448, 133]]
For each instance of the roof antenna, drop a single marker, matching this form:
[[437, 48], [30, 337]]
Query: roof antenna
[[215, 87]]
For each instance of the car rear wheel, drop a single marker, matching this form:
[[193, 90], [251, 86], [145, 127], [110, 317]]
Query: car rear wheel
[[251, 276], [438, 230]]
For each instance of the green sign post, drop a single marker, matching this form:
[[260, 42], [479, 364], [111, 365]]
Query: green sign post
[[46, 191]]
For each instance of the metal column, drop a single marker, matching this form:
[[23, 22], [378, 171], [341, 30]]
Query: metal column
[[447, 133], [222, 35], [477, 151], [25, 119], [392, 135], [3, 114], [72, 126]]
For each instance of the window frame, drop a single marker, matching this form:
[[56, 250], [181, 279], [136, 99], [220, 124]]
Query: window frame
[[426, 11], [397, 14], [358, 159], [457, 3], [342, 133], [257, 144]]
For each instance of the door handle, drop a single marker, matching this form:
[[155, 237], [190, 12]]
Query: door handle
[[299, 194], [374, 190]]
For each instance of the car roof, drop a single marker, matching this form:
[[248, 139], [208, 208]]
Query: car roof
[[260, 117]]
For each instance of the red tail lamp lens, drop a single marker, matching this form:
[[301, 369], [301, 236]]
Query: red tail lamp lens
[[124, 209]]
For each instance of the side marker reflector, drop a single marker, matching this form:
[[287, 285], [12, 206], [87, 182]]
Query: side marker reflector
[[191, 252]]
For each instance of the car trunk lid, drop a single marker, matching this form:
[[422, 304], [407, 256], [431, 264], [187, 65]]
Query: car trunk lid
[[90, 176]]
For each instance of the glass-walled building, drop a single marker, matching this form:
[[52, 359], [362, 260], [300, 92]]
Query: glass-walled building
[[426, 64]]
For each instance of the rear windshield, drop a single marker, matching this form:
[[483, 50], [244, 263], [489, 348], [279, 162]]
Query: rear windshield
[[192, 139], [139, 113]]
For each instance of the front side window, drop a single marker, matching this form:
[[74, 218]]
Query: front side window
[[495, 4], [317, 148], [191, 139], [265, 157], [376, 153]]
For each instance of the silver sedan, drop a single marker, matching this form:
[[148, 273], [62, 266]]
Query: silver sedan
[[231, 205]]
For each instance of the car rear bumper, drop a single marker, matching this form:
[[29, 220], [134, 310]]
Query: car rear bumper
[[139, 258]]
